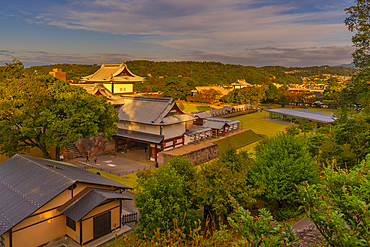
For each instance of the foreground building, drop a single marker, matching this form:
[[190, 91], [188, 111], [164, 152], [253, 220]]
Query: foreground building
[[42, 200]]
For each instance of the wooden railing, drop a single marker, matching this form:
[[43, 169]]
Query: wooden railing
[[129, 218]]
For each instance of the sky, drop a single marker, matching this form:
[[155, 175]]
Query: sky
[[247, 32]]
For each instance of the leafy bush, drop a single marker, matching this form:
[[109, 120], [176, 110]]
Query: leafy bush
[[262, 231], [286, 213], [339, 205]]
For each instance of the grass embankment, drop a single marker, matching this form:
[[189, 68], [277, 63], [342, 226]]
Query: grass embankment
[[238, 140]]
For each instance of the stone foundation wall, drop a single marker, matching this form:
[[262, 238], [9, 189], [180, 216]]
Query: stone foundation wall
[[196, 157], [97, 145]]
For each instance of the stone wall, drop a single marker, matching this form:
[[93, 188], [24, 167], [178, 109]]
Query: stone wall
[[196, 157], [97, 145]]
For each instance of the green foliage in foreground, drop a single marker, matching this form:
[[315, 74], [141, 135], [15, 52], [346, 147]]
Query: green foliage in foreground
[[261, 230], [340, 205], [164, 199], [282, 162], [245, 230]]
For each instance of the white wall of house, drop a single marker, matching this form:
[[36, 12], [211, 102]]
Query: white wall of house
[[174, 130], [119, 88], [150, 129], [187, 139]]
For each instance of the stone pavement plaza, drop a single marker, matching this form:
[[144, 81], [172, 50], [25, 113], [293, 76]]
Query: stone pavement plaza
[[114, 164]]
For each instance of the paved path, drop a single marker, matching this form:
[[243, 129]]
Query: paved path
[[112, 164]]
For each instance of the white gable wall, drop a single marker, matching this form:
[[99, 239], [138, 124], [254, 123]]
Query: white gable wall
[[169, 131], [174, 130], [150, 129]]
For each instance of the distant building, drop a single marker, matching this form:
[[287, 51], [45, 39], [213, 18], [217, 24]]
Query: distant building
[[115, 77], [241, 83], [57, 73]]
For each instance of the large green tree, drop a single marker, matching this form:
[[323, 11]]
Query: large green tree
[[164, 198], [42, 112], [216, 180], [282, 162], [358, 21]]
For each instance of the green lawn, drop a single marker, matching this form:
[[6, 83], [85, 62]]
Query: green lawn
[[260, 126], [195, 108]]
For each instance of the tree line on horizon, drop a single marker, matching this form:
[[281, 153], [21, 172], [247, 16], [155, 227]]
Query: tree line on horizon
[[202, 73]]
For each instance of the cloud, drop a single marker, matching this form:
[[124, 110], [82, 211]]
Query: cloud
[[29, 58], [269, 55], [231, 30]]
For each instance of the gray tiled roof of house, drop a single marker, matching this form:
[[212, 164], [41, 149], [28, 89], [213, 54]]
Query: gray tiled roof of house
[[215, 124], [151, 110], [197, 131], [87, 200], [202, 114], [27, 183], [311, 115], [227, 120]]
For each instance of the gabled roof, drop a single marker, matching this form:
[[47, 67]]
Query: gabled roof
[[152, 110], [88, 199], [27, 183], [113, 72]]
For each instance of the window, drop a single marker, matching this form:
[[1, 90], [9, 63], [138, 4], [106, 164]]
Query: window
[[71, 224], [122, 89]]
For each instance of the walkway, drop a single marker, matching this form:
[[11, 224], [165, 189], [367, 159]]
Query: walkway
[[114, 164]]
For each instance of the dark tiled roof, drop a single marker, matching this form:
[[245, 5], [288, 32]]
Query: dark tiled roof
[[87, 200], [202, 114], [214, 124], [150, 110], [140, 136], [27, 183]]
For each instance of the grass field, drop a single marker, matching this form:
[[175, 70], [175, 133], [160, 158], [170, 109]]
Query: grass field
[[260, 126], [195, 108], [237, 141]]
